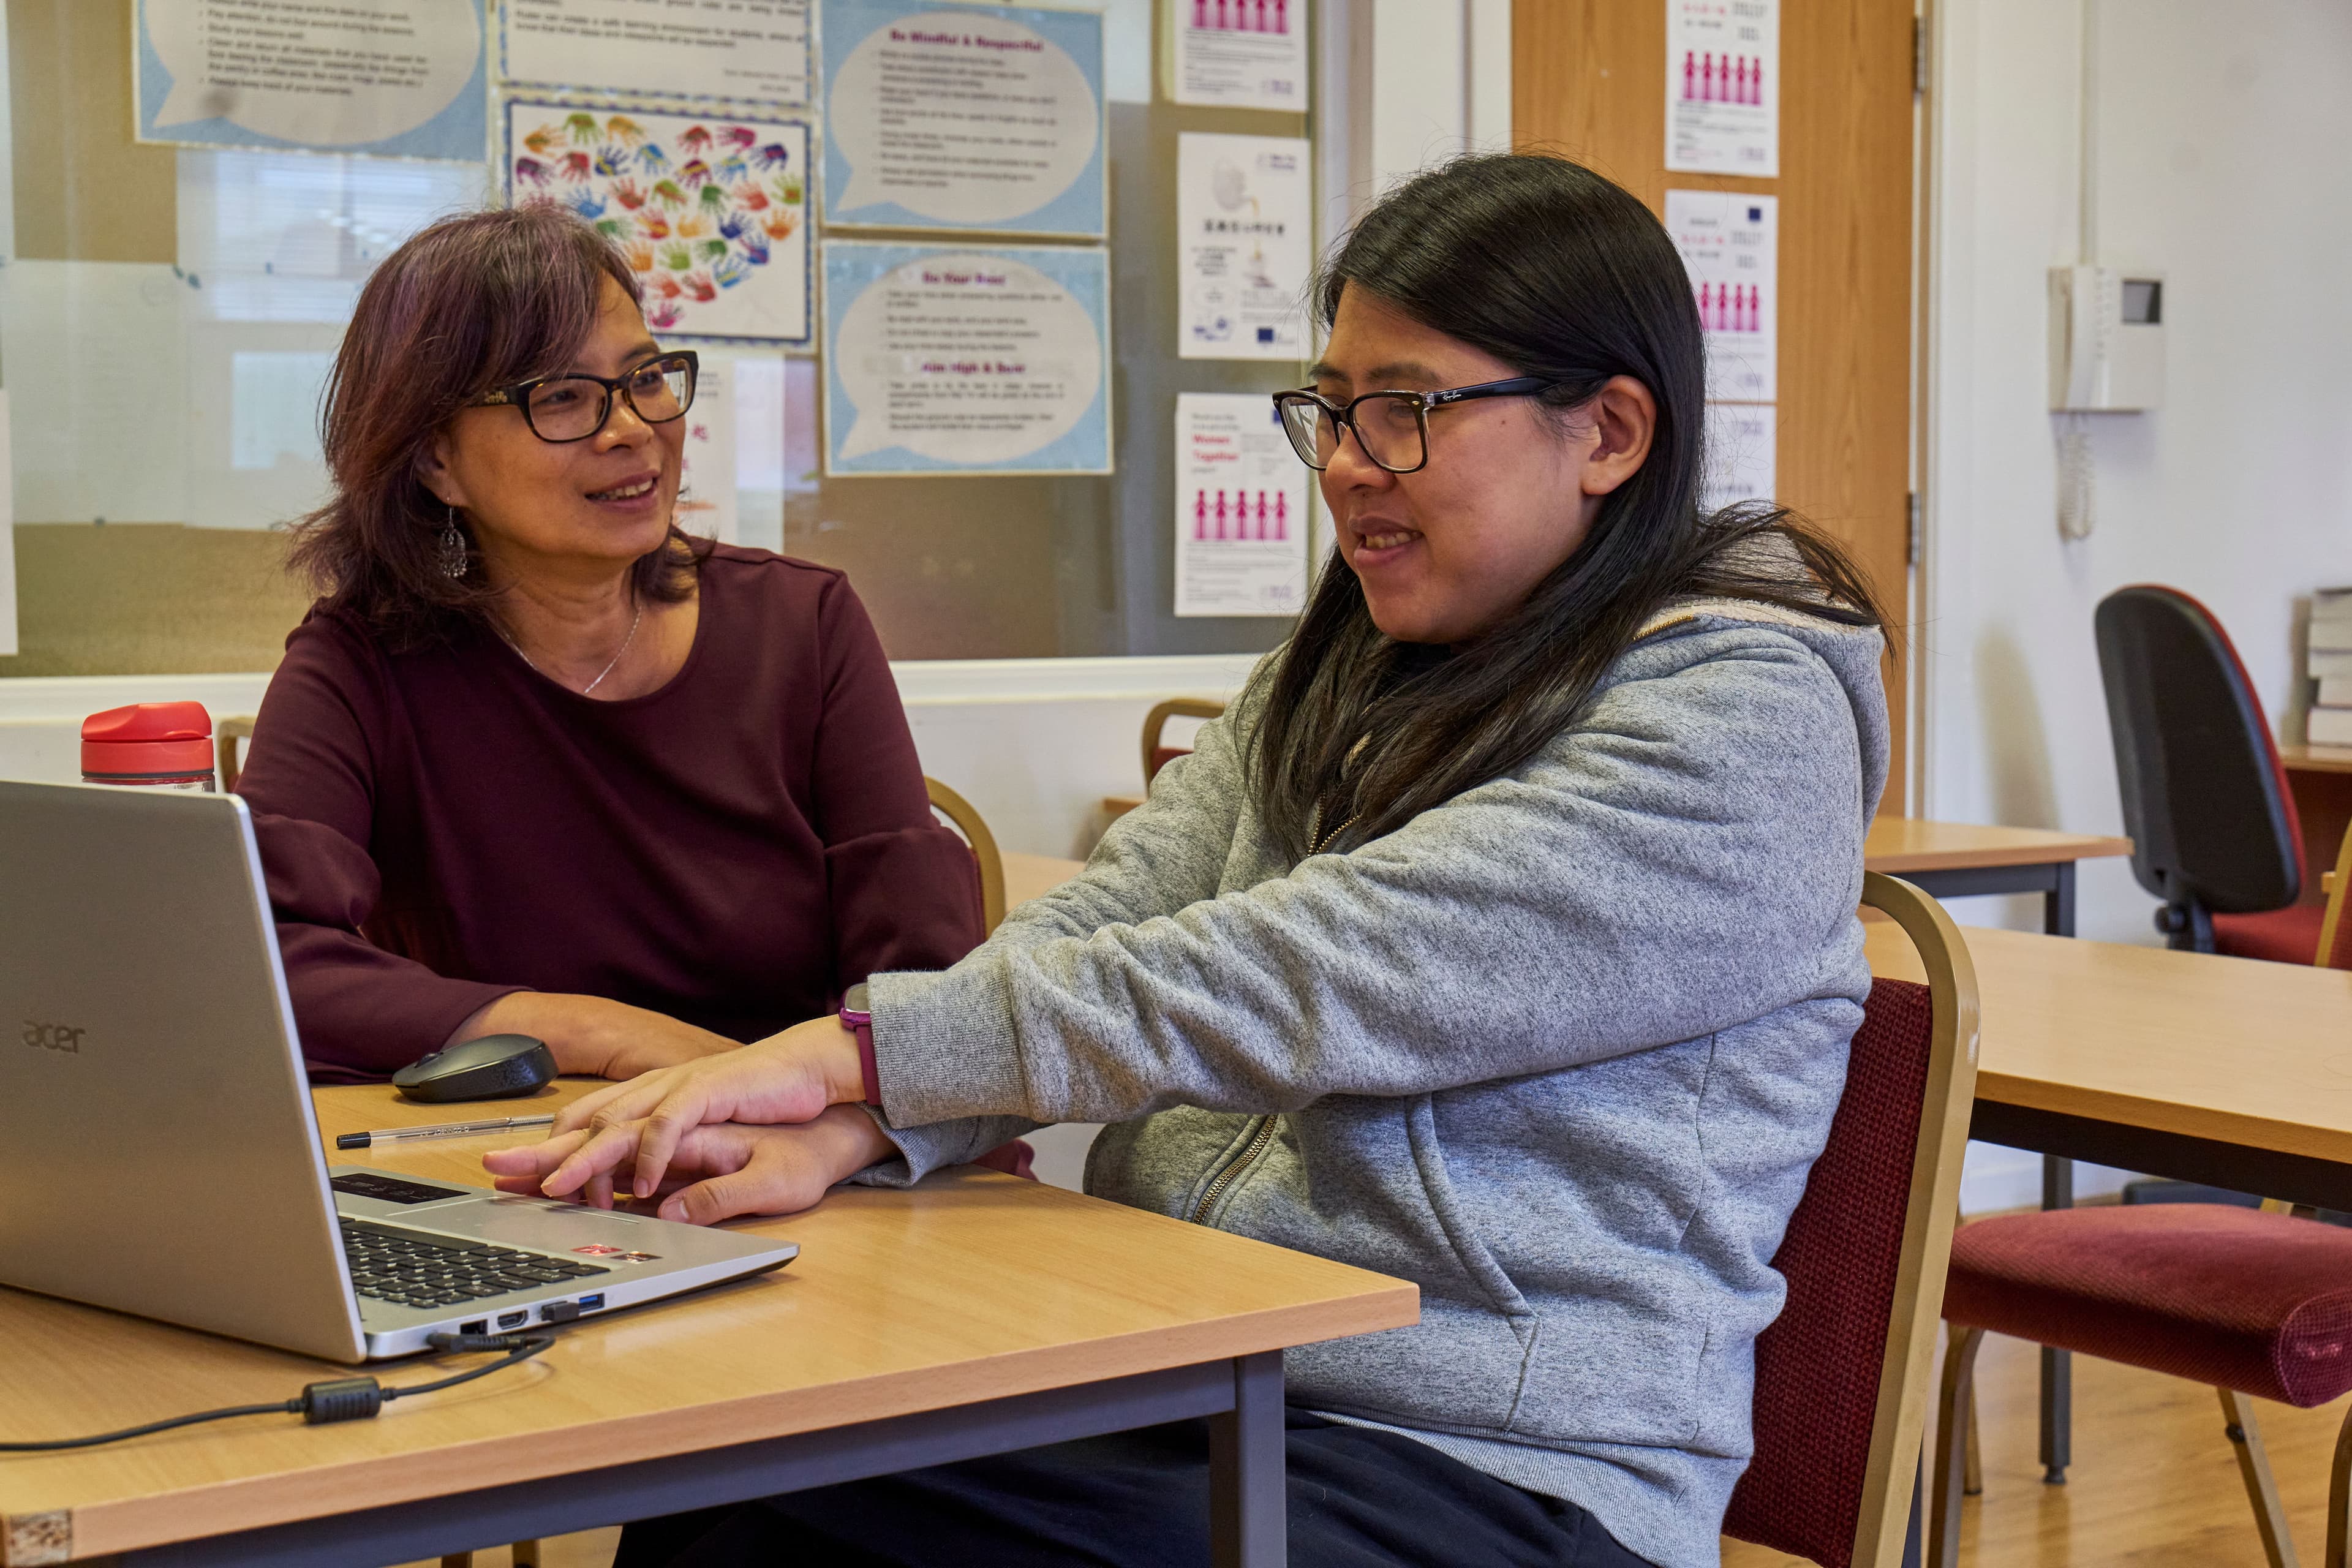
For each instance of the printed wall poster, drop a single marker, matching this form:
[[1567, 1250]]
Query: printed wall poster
[[1742, 442], [7, 537], [1731, 244], [745, 51], [980, 117], [1241, 508], [941, 360], [1245, 244], [395, 77], [1239, 54], [707, 479], [712, 213], [1723, 86]]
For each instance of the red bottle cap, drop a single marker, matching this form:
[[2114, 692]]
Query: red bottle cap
[[148, 740]]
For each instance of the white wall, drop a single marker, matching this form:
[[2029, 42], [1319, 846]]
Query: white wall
[[2220, 133]]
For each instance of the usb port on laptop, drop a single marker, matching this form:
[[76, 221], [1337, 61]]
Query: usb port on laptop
[[590, 1303]]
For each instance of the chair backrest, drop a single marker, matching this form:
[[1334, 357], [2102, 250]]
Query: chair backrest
[[2335, 926], [2205, 799], [1843, 1374], [974, 828], [1155, 723], [225, 735]]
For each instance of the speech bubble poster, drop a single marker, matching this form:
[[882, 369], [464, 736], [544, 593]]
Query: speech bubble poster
[[966, 360], [711, 213], [395, 78], [986, 118]]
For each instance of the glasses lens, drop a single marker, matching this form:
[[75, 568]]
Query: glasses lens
[[661, 389], [1310, 428], [567, 409], [1389, 424]]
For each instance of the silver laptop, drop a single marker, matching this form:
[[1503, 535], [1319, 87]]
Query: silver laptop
[[161, 1154]]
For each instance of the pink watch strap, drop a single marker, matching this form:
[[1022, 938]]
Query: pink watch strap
[[864, 1029], [858, 1021]]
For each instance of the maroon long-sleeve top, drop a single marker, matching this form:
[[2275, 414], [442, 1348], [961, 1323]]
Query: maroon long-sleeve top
[[443, 826]]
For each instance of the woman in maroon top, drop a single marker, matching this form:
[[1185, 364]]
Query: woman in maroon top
[[539, 763]]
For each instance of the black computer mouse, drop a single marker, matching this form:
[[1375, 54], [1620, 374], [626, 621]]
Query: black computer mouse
[[495, 1066]]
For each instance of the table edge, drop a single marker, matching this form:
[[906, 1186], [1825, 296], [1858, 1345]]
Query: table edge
[[2166, 1116], [111, 1525]]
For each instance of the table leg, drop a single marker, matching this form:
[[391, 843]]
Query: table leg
[[2057, 1373], [2058, 903], [2057, 1192], [1246, 1480]]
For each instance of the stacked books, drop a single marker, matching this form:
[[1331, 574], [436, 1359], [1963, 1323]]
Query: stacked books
[[2331, 666]]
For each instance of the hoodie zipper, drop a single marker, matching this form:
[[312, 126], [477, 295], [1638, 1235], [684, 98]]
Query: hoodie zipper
[[1234, 1168]]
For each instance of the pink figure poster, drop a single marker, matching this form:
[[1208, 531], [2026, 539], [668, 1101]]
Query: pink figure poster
[[1723, 86], [1731, 244], [1241, 504], [1238, 54]]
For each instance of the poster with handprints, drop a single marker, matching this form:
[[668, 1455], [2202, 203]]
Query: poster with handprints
[[711, 213]]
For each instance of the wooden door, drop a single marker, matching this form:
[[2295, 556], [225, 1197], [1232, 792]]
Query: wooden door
[[1589, 82]]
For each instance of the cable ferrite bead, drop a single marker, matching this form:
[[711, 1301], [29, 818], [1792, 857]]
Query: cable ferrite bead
[[341, 1399]]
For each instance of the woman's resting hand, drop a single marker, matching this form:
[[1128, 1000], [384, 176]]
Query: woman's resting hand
[[719, 1171], [635, 1128], [594, 1035]]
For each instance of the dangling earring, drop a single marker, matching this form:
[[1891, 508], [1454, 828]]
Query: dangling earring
[[451, 545]]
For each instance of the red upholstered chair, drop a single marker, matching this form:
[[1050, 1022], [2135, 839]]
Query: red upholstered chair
[[2212, 822], [2250, 1302], [1842, 1375], [1155, 725]]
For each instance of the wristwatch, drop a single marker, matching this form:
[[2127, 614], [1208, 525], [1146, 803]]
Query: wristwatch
[[858, 1020]]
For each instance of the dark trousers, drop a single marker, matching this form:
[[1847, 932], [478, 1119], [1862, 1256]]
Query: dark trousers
[[1141, 1499]]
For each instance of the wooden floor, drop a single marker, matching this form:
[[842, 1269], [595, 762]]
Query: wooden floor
[[2153, 1485], [589, 1549]]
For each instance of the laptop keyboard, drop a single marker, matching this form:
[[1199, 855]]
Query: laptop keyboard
[[412, 1269]]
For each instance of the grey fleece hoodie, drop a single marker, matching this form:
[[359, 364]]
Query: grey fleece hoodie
[[1560, 1051]]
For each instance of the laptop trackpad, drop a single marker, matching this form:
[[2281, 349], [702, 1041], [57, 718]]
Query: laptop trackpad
[[543, 1223]]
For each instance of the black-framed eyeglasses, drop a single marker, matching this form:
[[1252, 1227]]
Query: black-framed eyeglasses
[[1392, 427], [573, 407]]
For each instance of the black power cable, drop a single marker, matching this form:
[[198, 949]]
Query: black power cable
[[336, 1399]]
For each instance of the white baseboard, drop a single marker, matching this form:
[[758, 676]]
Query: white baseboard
[[1997, 1177]]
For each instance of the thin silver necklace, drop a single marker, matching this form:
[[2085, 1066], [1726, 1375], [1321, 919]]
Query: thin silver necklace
[[608, 669]]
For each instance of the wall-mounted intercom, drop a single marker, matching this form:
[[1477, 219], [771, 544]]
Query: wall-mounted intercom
[[2106, 340]]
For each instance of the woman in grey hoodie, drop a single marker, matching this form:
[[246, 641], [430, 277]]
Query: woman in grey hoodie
[[1502, 937]]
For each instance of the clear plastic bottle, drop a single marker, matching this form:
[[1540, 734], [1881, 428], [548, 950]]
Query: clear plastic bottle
[[153, 745]]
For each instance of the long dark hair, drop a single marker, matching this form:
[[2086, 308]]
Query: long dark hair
[[1557, 272], [480, 301]]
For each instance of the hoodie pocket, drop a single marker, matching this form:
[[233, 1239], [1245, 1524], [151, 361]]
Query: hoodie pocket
[[1469, 1250], [1590, 1369]]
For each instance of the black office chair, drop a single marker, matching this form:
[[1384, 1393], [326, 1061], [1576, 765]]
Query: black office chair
[[2213, 828]]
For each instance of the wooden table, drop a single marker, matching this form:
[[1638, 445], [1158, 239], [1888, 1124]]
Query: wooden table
[[2316, 759], [974, 1315], [2320, 779], [1027, 875], [1958, 859], [2230, 1071]]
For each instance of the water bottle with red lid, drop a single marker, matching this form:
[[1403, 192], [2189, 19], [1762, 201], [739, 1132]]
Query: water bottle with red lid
[[161, 745]]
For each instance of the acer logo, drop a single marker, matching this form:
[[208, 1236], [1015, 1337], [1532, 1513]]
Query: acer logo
[[53, 1038]]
